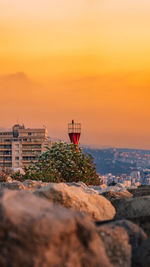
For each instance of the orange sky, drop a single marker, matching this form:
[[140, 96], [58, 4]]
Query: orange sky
[[84, 59]]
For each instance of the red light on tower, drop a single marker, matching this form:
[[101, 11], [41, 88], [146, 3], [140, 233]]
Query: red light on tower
[[74, 132]]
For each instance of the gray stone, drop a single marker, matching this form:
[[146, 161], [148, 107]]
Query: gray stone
[[112, 195], [14, 185], [116, 243], [142, 256], [140, 191], [132, 207]]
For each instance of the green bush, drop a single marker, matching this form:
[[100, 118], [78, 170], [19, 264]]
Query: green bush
[[63, 163]]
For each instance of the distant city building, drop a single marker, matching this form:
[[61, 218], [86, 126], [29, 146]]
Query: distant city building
[[104, 179], [21, 146], [146, 177], [135, 175]]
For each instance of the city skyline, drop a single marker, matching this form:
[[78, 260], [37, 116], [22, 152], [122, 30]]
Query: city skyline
[[84, 60]]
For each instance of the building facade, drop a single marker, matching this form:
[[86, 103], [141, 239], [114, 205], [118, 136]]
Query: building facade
[[21, 146]]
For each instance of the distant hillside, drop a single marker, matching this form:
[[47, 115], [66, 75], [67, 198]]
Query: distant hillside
[[119, 161]]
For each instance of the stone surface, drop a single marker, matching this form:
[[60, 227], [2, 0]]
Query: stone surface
[[136, 234], [132, 207], [111, 195], [97, 207], [140, 191], [136, 210], [119, 253], [33, 185], [116, 243], [143, 222], [84, 187], [13, 185], [34, 232], [142, 256]]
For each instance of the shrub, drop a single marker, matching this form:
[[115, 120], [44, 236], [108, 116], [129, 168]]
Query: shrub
[[63, 163]]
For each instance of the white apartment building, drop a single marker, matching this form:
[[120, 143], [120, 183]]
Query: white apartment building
[[21, 146]]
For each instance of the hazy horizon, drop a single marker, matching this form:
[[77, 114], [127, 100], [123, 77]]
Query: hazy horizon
[[83, 60]]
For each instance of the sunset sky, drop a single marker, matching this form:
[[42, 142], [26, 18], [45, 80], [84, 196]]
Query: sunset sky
[[87, 60]]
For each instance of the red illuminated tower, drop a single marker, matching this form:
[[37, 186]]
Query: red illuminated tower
[[74, 131]]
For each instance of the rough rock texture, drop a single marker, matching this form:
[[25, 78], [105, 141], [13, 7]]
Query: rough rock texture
[[136, 210], [34, 232], [119, 247], [12, 185], [144, 222], [116, 243], [141, 191], [97, 207], [132, 207], [142, 256], [84, 187], [136, 234], [33, 185], [111, 195]]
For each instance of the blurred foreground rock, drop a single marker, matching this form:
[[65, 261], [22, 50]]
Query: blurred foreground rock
[[136, 237], [97, 207], [142, 257], [34, 232], [116, 243]]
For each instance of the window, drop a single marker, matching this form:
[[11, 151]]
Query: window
[[16, 158], [29, 133]]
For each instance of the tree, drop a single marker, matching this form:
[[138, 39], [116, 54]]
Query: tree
[[63, 163]]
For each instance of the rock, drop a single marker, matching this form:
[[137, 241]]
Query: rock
[[97, 207], [140, 191], [14, 185], [132, 207], [33, 185], [84, 187], [142, 256], [34, 232], [143, 222], [136, 210], [111, 195], [116, 243], [9, 179], [109, 188], [136, 234]]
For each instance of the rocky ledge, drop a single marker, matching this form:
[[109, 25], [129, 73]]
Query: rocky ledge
[[46, 224]]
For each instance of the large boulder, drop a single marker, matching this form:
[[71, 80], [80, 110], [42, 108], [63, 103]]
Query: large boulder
[[97, 207], [116, 243], [132, 207], [144, 222], [140, 191], [34, 232], [136, 210], [142, 256], [136, 234]]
